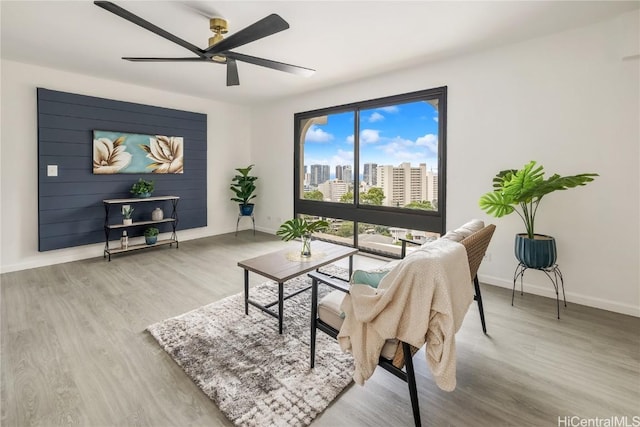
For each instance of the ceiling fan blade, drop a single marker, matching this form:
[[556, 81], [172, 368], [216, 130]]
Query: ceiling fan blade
[[232, 73], [190, 59], [280, 66], [117, 10], [265, 27]]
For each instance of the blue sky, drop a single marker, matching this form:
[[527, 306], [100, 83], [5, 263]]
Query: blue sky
[[388, 136]]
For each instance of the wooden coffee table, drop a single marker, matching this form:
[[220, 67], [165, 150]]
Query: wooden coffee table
[[286, 264]]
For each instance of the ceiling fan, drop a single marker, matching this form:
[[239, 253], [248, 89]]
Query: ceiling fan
[[219, 50]]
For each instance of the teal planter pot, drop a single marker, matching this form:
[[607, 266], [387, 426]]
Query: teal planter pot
[[539, 252], [246, 210], [151, 240]]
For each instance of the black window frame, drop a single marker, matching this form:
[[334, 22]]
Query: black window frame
[[415, 219]]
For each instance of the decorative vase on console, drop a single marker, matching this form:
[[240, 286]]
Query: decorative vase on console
[[157, 214]]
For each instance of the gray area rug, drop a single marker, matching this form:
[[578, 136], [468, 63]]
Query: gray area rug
[[256, 376]]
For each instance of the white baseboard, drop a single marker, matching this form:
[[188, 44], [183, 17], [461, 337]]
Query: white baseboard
[[64, 255], [548, 291]]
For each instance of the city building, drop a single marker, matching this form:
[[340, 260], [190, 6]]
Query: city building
[[347, 174], [333, 190], [403, 184], [369, 174], [319, 174]]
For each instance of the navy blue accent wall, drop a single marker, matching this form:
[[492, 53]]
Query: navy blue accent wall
[[70, 208]]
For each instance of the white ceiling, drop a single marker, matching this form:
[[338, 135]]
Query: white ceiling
[[343, 41]]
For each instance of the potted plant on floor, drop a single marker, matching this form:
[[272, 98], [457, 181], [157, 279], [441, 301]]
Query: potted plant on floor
[[151, 235], [244, 186], [521, 191], [142, 188], [301, 228]]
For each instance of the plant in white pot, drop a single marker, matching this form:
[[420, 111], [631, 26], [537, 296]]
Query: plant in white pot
[[520, 191], [127, 211]]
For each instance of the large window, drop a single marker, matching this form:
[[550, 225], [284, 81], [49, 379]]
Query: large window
[[374, 169]]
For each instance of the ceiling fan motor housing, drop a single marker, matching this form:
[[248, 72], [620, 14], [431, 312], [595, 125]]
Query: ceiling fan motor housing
[[219, 26]]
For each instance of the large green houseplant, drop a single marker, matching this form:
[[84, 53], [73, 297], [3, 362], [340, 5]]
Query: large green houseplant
[[301, 228], [244, 187], [520, 191]]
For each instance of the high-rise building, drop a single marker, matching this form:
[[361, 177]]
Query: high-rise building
[[347, 174], [370, 175], [339, 172], [333, 190], [432, 187], [319, 174], [403, 184]]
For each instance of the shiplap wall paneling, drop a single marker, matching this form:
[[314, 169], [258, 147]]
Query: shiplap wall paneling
[[70, 208]]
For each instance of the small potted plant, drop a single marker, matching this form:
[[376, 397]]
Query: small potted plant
[[243, 186], [521, 191], [142, 188], [126, 213], [301, 228], [151, 235]]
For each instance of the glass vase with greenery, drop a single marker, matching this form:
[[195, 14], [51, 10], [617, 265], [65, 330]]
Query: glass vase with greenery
[[302, 229]]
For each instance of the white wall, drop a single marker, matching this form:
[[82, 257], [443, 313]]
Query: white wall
[[228, 147], [569, 101]]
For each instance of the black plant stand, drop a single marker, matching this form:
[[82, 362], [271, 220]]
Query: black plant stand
[[557, 276], [252, 220]]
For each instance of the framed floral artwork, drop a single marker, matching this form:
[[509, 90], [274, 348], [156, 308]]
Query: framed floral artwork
[[118, 152]]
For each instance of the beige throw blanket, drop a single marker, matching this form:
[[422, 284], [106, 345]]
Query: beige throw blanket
[[424, 298]]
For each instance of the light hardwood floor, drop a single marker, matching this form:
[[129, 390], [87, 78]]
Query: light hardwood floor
[[75, 352]]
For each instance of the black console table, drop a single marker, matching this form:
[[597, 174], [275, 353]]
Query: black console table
[[173, 219]]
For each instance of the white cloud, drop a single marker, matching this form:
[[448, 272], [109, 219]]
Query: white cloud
[[342, 158], [435, 119], [316, 134], [349, 139], [390, 109], [430, 141], [315, 161], [397, 145], [375, 117], [369, 136]]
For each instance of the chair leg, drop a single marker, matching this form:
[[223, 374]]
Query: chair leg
[[478, 298], [411, 380], [314, 314]]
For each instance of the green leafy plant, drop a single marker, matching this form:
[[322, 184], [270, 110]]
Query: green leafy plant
[[151, 231], [142, 187], [299, 227], [127, 211], [522, 190], [243, 185]]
